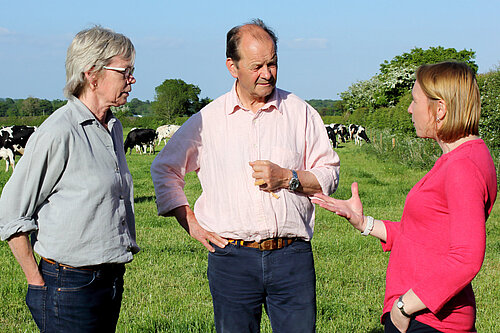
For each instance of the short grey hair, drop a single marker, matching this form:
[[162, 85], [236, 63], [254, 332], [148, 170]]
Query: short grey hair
[[93, 48]]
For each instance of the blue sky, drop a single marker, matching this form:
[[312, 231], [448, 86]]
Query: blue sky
[[324, 46]]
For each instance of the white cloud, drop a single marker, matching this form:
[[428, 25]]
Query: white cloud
[[4, 31], [308, 43]]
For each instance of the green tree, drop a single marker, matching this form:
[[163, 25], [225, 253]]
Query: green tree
[[489, 124], [326, 107], [45, 107], [6, 104], [397, 76], [57, 103], [418, 56], [361, 94], [29, 106], [12, 107], [198, 105], [174, 97]]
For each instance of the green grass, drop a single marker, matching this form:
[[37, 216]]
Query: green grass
[[166, 289]]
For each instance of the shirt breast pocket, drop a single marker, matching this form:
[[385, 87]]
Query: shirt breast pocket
[[286, 158]]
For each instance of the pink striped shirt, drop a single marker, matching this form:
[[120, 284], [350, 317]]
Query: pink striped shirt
[[218, 143]]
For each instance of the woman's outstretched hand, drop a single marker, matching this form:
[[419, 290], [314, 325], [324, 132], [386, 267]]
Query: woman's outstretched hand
[[351, 209]]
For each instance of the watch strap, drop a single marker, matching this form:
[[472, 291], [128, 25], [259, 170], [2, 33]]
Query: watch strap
[[294, 181], [401, 307]]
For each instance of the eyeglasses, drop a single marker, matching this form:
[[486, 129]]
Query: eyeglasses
[[125, 71]]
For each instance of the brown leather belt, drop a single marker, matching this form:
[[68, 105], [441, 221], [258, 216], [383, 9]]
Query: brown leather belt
[[266, 244]]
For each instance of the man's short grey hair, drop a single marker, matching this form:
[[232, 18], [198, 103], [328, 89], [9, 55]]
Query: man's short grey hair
[[91, 49]]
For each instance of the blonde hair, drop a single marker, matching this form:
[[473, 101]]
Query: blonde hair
[[454, 83], [91, 49]]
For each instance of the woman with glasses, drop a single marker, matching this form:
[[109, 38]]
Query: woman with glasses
[[73, 193], [438, 246]]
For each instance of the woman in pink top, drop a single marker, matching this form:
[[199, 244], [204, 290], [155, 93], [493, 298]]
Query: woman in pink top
[[438, 246]]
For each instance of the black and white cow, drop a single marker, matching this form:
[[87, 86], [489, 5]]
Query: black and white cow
[[358, 133], [142, 137], [13, 140], [340, 131], [165, 132], [331, 135]]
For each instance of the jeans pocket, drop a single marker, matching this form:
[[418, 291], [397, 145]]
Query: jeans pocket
[[222, 251], [75, 280], [36, 299], [299, 246]]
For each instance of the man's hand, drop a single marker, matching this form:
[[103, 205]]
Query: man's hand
[[186, 218], [273, 176]]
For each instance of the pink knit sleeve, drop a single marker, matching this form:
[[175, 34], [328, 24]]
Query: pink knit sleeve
[[392, 230], [465, 192]]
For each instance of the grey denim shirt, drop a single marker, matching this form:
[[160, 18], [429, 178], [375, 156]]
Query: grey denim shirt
[[73, 189]]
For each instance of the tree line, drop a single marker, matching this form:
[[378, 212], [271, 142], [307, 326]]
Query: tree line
[[379, 102], [32, 107], [382, 101]]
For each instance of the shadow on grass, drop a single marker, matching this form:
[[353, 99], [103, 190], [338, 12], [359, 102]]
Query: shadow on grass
[[145, 199]]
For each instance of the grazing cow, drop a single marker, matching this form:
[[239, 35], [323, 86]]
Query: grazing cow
[[8, 155], [142, 137], [340, 131], [358, 133], [13, 140], [331, 135], [165, 132]]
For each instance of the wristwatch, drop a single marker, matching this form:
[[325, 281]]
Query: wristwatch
[[401, 306], [294, 183]]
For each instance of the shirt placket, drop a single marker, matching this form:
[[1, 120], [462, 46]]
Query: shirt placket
[[107, 139], [262, 197]]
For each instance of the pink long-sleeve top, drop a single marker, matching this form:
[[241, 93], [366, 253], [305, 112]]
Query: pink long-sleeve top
[[219, 142], [439, 245]]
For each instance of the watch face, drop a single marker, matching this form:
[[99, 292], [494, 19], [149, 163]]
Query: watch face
[[400, 304], [294, 184]]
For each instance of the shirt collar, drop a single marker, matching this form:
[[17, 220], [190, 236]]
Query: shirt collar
[[83, 114], [272, 103]]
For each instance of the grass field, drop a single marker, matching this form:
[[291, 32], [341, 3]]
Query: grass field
[[166, 289]]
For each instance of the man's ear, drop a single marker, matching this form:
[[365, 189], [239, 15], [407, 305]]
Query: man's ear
[[232, 67]]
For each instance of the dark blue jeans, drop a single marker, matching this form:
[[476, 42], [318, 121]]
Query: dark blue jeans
[[74, 300], [415, 327], [243, 279]]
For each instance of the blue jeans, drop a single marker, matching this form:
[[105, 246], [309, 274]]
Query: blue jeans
[[415, 327], [243, 279], [74, 300]]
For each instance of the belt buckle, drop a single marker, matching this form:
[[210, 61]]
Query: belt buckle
[[269, 244]]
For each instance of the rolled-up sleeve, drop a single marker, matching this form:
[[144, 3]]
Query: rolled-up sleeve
[[321, 160], [178, 157], [392, 231], [30, 185]]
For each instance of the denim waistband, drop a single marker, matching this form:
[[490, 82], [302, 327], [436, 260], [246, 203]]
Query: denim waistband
[[109, 268]]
